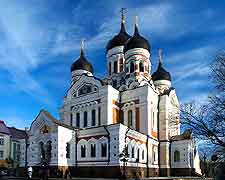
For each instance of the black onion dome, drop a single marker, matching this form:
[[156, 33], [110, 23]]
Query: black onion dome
[[119, 39], [82, 63], [161, 74], [136, 41]]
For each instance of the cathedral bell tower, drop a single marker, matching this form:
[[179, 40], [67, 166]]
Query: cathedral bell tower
[[137, 58], [115, 56]]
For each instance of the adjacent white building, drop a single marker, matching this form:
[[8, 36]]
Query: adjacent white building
[[130, 110]]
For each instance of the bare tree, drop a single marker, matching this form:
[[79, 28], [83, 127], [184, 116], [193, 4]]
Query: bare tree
[[208, 121]]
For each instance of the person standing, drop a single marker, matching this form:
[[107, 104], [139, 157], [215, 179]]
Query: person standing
[[30, 171]]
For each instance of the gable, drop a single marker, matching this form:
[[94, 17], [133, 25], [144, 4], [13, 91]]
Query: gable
[[44, 123], [83, 86]]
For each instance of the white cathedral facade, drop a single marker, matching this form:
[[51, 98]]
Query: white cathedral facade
[[131, 111]]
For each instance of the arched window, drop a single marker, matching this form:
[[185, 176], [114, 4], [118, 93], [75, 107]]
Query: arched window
[[85, 118], [85, 89], [141, 67], [110, 69], [132, 152], [132, 67], [71, 119], [93, 150], [83, 151], [138, 155], [121, 64], [153, 119], [99, 116], [115, 69], [93, 117], [78, 120], [143, 154], [48, 151], [154, 156], [103, 150], [68, 150], [176, 156], [130, 118], [42, 151]]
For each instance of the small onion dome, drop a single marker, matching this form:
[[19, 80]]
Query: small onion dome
[[119, 39], [82, 63], [136, 41], [161, 74]]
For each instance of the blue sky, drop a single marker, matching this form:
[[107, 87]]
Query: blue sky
[[40, 39]]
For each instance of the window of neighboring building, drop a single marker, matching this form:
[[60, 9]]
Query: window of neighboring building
[[132, 152], [1, 154], [115, 68], [141, 67], [68, 150], [103, 150], [83, 151], [1, 141], [85, 118], [176, 156], [93, 117], [78, 120], [130, 118], [14, 150], [93, 150], [132, 67], [143, 154]]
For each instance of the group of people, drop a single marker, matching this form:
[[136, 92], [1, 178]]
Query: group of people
[[44, 173]]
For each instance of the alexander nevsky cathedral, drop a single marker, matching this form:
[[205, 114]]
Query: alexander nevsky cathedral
[[124, 124]]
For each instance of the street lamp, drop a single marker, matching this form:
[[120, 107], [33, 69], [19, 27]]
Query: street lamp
[[124, 156], [26, 145]]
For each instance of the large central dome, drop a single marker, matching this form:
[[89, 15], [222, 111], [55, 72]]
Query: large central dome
[[136, 41], [119, 39]]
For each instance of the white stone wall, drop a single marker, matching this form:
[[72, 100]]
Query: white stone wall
[[185, 148], [148, 100], [65, 136]]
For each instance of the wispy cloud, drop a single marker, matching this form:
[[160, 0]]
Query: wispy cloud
[[23, 46]]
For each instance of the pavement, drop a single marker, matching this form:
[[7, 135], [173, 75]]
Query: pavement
[[151, 178]]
